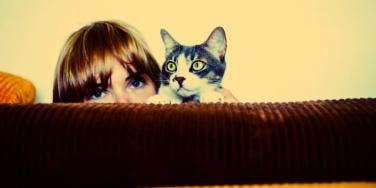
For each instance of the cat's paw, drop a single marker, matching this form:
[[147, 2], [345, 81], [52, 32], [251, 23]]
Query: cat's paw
[[209, 97], [160, 99]]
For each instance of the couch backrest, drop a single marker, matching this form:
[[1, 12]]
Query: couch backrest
[[190, 144]]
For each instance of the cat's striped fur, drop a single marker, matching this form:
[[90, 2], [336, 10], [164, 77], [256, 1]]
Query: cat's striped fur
[[192, 73]]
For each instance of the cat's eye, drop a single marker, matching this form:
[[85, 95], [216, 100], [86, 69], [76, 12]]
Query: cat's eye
[[171, 66], [198, 66]]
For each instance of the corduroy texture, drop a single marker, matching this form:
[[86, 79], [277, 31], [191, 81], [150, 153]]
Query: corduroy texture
[[295, 185], [73, 145], [14, 89]]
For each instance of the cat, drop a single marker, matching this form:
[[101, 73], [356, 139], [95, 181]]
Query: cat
[[192, 73]]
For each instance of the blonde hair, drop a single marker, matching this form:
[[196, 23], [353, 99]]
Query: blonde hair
[[88, 52]]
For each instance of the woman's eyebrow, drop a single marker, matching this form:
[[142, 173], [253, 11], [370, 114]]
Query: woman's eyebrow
[[101, 84], [133, 76], [133, 73]]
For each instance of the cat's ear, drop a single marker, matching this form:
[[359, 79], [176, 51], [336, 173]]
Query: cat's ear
[[168, 41], [216, 42]]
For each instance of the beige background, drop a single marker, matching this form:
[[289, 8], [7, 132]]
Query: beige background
[[289, 50]]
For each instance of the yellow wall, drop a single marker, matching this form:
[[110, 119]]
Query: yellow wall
[[287, 50]]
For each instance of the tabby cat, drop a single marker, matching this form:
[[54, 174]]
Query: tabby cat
[[192, 73]]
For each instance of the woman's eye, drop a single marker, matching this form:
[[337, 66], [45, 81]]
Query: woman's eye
[[137, 83], [98, 95]]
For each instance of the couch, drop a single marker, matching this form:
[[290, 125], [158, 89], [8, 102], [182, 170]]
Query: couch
[[126, 145]]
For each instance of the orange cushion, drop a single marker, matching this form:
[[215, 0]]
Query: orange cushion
[[14, 89]]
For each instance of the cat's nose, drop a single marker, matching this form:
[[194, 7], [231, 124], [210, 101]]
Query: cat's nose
[[180, 80]]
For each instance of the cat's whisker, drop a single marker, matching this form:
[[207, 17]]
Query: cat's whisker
[[214, 81]]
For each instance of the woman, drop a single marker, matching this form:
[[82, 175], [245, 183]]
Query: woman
[[107, 62]]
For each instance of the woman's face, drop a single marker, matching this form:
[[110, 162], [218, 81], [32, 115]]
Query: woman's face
[[124, 87]]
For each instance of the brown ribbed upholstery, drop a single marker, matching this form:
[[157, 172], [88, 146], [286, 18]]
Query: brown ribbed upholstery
[[109, 145]]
